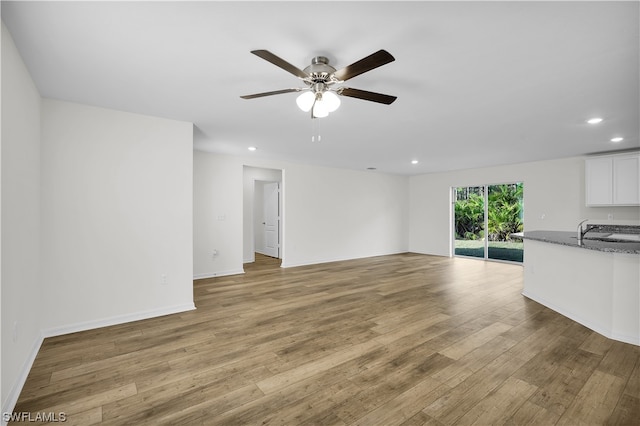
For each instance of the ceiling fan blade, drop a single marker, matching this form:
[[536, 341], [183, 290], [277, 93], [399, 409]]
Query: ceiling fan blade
[[279, 62], [275, 92], [375, 60], [367, 96]]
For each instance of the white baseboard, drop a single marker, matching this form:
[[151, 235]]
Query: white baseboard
[[334, 259], [14, 393], [218, 274], [598, 328], [119, 319]]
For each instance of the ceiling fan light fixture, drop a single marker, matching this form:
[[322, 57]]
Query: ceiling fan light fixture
[[331, 100], [320, 109], [305, 101]]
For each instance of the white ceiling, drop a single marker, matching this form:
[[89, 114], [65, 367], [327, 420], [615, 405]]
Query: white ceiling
[[478, 83]]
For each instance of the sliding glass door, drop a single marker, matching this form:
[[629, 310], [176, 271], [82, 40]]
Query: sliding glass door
[[469, 223], [504, 217], [484, 219]]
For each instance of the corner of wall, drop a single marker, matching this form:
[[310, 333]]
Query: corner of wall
[[9, 401], [21, 222]]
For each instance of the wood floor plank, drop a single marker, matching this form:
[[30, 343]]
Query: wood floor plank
[[558, 390], [597, 344], [531, 414], [304, 371], [596, 401], [500, 405], [459, 349], [405, 339], [620, 361], [466, 394], [86, 418], [633, 383], [626, 412], [81, 404], [406, 405]]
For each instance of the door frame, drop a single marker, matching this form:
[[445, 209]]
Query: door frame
[[452, 243], [264, 219], [251, 175], [257, 229]]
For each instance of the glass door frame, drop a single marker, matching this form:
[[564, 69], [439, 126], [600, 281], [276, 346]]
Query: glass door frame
[[485, 190], [454, 199]]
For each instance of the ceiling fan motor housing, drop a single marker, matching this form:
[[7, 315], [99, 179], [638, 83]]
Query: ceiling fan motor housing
[[320, 71]]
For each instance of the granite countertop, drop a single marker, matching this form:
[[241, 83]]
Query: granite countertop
[[590, 241]]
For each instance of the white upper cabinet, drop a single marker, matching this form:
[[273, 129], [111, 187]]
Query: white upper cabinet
[[599, 180], [613, 180], [626, 180]]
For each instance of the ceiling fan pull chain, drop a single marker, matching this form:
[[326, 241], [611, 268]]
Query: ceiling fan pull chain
[[315, 129]]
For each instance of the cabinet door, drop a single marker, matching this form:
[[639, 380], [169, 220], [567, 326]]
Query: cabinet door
[[599, 181], [626, 177]]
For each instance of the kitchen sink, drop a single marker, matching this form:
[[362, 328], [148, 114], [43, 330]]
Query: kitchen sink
[[623, 237]]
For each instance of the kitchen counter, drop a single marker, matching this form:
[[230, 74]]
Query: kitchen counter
[[591, 241], [596, 283]]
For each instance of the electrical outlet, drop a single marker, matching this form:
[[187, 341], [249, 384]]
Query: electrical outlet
[[214, 253], [163, 279], [610, 216]]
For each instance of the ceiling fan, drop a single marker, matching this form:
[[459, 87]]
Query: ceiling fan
[[319, 95]]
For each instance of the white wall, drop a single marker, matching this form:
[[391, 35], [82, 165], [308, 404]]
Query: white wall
[[328, 214], [335, 214], [554, 199], [217, 215], [96, 210], [117, 216], [21, 286]]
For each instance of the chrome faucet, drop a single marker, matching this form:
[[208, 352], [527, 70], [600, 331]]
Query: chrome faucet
[[581, 231]]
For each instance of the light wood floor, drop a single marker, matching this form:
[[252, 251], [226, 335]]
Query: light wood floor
[[404, 339]]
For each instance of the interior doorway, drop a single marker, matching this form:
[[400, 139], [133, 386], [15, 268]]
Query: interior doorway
[[262, 264], [263, 213], [267, 231]]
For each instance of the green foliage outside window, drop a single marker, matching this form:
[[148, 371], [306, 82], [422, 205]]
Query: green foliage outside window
[[469, 213], [505, 213]]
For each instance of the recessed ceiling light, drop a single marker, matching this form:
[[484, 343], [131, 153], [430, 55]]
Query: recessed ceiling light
[[617, 139], [252, 148], [414, 161], [594, 120]]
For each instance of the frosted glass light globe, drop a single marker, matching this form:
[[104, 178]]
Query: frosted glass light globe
[[305, 101], [320, 109], [331, 100]]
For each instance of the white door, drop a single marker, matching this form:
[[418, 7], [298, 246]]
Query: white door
[[271, 200]]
